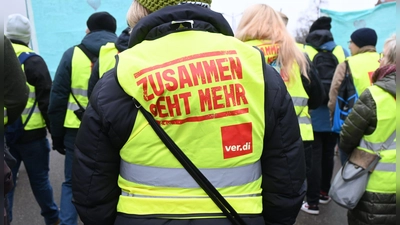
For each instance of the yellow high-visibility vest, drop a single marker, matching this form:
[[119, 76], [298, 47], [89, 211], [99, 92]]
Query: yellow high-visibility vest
[[36, 120], [107, 58], [311, 52], [5, 116], [383, 141], [81, 68], [209, 99], [362, 67], [294, 87]]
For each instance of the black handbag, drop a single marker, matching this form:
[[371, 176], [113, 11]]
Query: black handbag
[[203, 182]]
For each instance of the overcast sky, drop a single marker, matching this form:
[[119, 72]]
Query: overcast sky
[[290, 5], [237, 6], [232, 9]]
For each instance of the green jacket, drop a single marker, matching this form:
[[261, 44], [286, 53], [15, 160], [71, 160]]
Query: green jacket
[[373, 208]]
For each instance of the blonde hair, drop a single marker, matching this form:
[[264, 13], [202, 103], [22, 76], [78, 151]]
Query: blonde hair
[[389, 50], [135, 13], [261, 22]]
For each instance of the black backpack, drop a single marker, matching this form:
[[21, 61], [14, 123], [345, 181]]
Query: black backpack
[[325, 62]]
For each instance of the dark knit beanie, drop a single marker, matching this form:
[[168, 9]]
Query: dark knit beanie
[[154, 5], [363, 37], [102, 21], [322, 23]]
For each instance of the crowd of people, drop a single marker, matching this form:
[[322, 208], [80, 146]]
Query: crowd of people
[[250, 109]]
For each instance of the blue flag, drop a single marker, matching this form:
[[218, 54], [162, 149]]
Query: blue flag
[[381, 18]]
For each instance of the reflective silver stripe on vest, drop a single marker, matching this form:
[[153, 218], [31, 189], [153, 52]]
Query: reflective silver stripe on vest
[[179, 177], [298, 101], [388, 167], [5, 113], [72, 106], [81, 92], [390, 143], [32, 95], [124, 193], [304, 120], [28, 110]]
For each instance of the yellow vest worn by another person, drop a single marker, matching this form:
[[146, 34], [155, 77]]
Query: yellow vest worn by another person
[[295, 88], [81, 68], [5, 116], [107, 58], [209, 99], [311, 52], [383, 141], [36, 120], [362, 67]]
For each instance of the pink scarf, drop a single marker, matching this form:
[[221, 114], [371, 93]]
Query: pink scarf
[[382, 71]]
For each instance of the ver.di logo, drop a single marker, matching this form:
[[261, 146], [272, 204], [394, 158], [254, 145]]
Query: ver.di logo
[[237, 140]]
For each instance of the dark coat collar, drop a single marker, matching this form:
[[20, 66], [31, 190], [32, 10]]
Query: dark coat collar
[[158, 24], [123, 40], [15, 41]]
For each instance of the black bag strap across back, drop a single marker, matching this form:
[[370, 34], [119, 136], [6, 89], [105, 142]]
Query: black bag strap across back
[[347, 71], [77, 102], [93, 59], [203, 182], [90, 55], [30, 113]]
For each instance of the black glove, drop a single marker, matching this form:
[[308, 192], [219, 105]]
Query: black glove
[[58, 144]]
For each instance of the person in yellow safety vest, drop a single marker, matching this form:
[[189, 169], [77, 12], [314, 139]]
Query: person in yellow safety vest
[[16, 94], [68, 98], [106, 60], [371, 127], [262, 26], [219, 101], [362, 62], [32, 147], [325, 55]]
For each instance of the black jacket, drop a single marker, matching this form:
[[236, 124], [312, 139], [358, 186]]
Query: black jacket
[[38, 75], [313, 86], [110, 117], [121, 44]]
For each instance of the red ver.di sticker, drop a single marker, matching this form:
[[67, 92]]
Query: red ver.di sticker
[[237, 140]]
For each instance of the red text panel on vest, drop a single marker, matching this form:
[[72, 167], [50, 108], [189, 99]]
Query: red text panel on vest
[[237, 140]]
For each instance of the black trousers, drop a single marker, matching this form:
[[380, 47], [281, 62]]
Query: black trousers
[[320, 175], [132, 220]]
